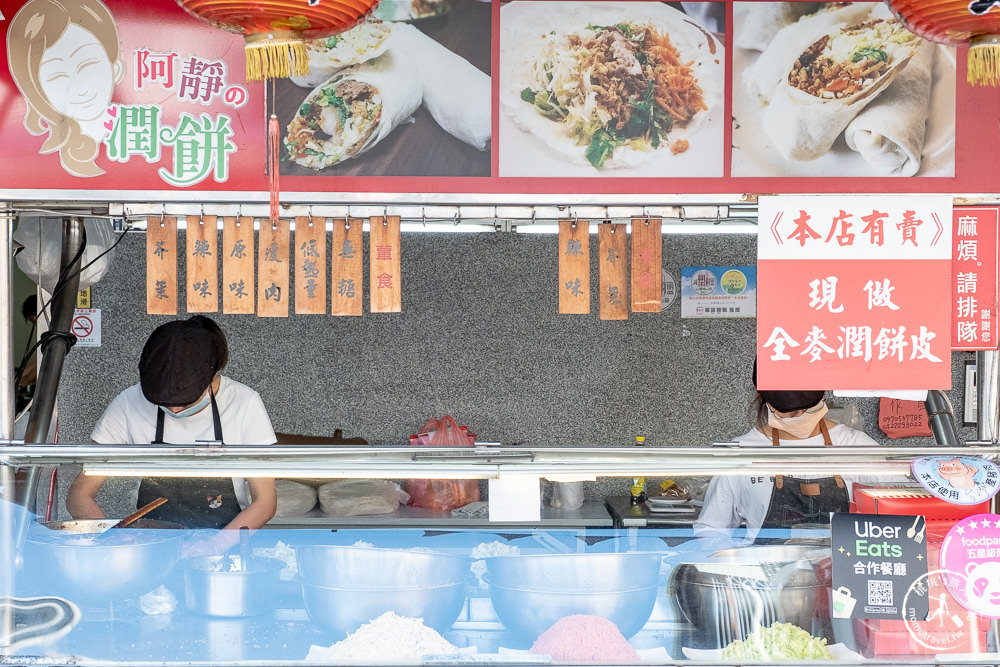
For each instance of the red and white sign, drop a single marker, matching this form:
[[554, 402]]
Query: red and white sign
[[974, 278], [853, 292]]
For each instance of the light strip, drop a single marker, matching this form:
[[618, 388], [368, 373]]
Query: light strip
[[310, 472]]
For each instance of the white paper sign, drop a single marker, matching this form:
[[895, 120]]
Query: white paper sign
[[87, 327], [516, 499]]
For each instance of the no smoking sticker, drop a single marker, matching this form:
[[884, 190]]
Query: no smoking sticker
[[87, 327]]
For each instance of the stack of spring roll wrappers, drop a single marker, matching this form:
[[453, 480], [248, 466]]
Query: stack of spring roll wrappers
[[886, 127], [404, 67]]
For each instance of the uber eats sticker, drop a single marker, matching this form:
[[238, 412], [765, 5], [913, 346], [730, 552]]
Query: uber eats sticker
[[876, 558]]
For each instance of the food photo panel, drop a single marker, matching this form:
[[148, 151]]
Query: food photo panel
[[406, 93], [619, 89], [838, 89]]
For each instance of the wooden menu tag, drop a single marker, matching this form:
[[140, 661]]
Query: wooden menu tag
[[647, 266], [310, 265], [611, 264], [272, 269], [385, 265], [202, 264], [347, 268], [574, 267], [161, 266], [238, 285]]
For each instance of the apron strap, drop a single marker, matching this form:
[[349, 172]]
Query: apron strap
[[774, 437], [158, 439], [826, 433], [839, 480], [779, 481], [216, 421]]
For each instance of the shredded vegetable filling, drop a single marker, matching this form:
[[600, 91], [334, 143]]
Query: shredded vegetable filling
[[334, 125], [838, 66], [611, 86]]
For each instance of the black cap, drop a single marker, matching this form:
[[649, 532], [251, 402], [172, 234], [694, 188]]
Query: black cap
[[788, 400], [178, 362]]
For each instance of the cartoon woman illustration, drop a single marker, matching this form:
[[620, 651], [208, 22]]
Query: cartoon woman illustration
[[66, 58]]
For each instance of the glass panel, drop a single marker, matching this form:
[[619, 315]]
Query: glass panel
[[415, 586]]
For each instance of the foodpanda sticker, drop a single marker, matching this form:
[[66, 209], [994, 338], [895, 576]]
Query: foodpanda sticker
[[972, 548], [964, 480]]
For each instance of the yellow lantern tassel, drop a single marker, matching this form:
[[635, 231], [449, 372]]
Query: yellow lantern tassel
[[984, 61], [275, 55]]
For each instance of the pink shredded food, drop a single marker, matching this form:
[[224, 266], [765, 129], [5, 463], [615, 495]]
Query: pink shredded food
[[583, 638]]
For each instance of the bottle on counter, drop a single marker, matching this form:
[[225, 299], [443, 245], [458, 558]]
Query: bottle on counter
[[640, 440], [638, 490]]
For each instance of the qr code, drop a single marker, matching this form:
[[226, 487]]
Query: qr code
[[880, 593]]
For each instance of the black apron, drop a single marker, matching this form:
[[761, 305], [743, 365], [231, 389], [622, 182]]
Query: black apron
[[795, 500], [195, 502]]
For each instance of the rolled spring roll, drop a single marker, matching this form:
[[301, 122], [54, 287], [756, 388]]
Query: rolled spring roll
[[329, 55], [766, 72], [831, 82], [889, 133], [762, 20], [353, 111], [456, 92]]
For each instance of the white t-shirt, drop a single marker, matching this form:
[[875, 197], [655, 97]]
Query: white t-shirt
[[731, 499], [131, 419]]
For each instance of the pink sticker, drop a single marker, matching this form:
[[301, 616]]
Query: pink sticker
[[972, 549]]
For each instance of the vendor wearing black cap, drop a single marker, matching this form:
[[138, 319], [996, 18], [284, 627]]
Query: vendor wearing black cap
[[181, 399], [782, 417]]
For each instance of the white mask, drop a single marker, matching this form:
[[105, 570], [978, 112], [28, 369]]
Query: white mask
[[801, 426], [190, 410]]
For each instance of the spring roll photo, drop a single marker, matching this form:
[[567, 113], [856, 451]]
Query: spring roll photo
[[761, 78], [353, 111], [832, 81], [762, 20], [455, 92], [889, 133], [329, 55]]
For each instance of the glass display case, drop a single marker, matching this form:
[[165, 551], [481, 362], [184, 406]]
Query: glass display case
[[416, 589]]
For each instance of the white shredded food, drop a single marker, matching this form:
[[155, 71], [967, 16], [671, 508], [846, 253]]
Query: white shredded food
[[390, 637], [285, 554], [487, 549]]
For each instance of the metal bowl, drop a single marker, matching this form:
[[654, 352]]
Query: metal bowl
[[531, 592], [91, 570], [364, 567], [733, 591], [344, 610], [225, 586]]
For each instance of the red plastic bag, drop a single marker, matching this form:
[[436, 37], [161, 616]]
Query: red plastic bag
[[442, 495]]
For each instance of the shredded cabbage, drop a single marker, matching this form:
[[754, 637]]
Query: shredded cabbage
[[780, 641]]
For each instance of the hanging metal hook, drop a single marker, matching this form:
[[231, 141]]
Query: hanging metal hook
[[458, 218], [423, 217], [573, 224]]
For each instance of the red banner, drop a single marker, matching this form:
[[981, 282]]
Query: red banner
[[456, 103], [974, 278], [859, 284]]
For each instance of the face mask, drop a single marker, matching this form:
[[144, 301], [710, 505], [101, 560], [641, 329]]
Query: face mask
[[193, 409], [801, 426]]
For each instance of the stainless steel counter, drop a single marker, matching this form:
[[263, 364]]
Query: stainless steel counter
[[627, 515], [590, 515]]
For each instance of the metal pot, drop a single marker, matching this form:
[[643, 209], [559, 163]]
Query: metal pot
[[89, 570], [531, 592], [226, 586], [728, 595]]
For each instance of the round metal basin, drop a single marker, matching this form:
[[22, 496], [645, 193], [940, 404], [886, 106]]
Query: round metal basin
[[83, 565], [344, 610], [373, 568], [531, 592]]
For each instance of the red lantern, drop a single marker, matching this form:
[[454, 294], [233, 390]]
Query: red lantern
[[275, 30], [955, 22]]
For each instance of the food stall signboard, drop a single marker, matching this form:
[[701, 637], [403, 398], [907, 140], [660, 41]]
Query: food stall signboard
[[854, 292], [876, 558], [975, 277], [487, 100]]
